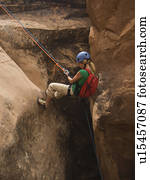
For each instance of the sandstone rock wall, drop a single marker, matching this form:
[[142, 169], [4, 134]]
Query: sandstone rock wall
[[30, 5], [63, 37], [36, 143], [73, 3], [27, 140], [112, 49]]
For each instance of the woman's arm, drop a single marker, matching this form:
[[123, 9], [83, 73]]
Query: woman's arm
[[75, 78]]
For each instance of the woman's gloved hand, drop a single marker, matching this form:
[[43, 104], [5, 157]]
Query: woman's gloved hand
[[66, 72]]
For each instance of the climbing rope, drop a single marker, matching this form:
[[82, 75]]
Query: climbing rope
[[34, 39], [91, 133]]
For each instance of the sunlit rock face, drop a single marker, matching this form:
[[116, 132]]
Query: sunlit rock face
[[29, 148], [112, 49]]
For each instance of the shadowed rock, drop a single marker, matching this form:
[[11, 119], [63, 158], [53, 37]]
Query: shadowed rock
[[112, 49]]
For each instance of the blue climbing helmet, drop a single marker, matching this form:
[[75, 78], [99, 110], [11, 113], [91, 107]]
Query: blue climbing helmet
[[81, 56]]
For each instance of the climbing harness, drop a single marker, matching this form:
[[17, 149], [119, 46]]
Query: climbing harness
[[91, 134], [34, 39]]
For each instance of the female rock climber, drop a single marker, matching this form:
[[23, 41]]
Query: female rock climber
[[59, 90]]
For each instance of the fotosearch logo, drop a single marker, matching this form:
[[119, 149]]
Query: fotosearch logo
[[142, 54]]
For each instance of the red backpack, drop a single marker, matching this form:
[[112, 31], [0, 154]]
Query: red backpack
[[90, 85]]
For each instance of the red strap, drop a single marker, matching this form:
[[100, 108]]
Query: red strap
[[88, 71]]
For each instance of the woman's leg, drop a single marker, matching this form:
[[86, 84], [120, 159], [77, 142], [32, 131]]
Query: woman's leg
[[55, 90]]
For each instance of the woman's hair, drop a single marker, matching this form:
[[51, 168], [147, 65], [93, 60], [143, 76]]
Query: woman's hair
[[91, 64]]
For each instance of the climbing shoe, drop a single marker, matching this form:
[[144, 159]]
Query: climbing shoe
[[41, 102]]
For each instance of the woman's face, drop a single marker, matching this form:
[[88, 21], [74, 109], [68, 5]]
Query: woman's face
[[81, 65]]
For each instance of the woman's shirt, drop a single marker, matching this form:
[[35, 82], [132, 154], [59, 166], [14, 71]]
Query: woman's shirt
[[77, 85]]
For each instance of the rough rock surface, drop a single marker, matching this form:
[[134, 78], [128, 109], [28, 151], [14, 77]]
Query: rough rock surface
[[58, 29], [112, 49], [36, 143], [55, 144], [28, 135], [39, 144], [26, 5]]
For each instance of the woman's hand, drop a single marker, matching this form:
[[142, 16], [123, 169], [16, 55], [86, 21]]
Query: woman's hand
[[69, 79]]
